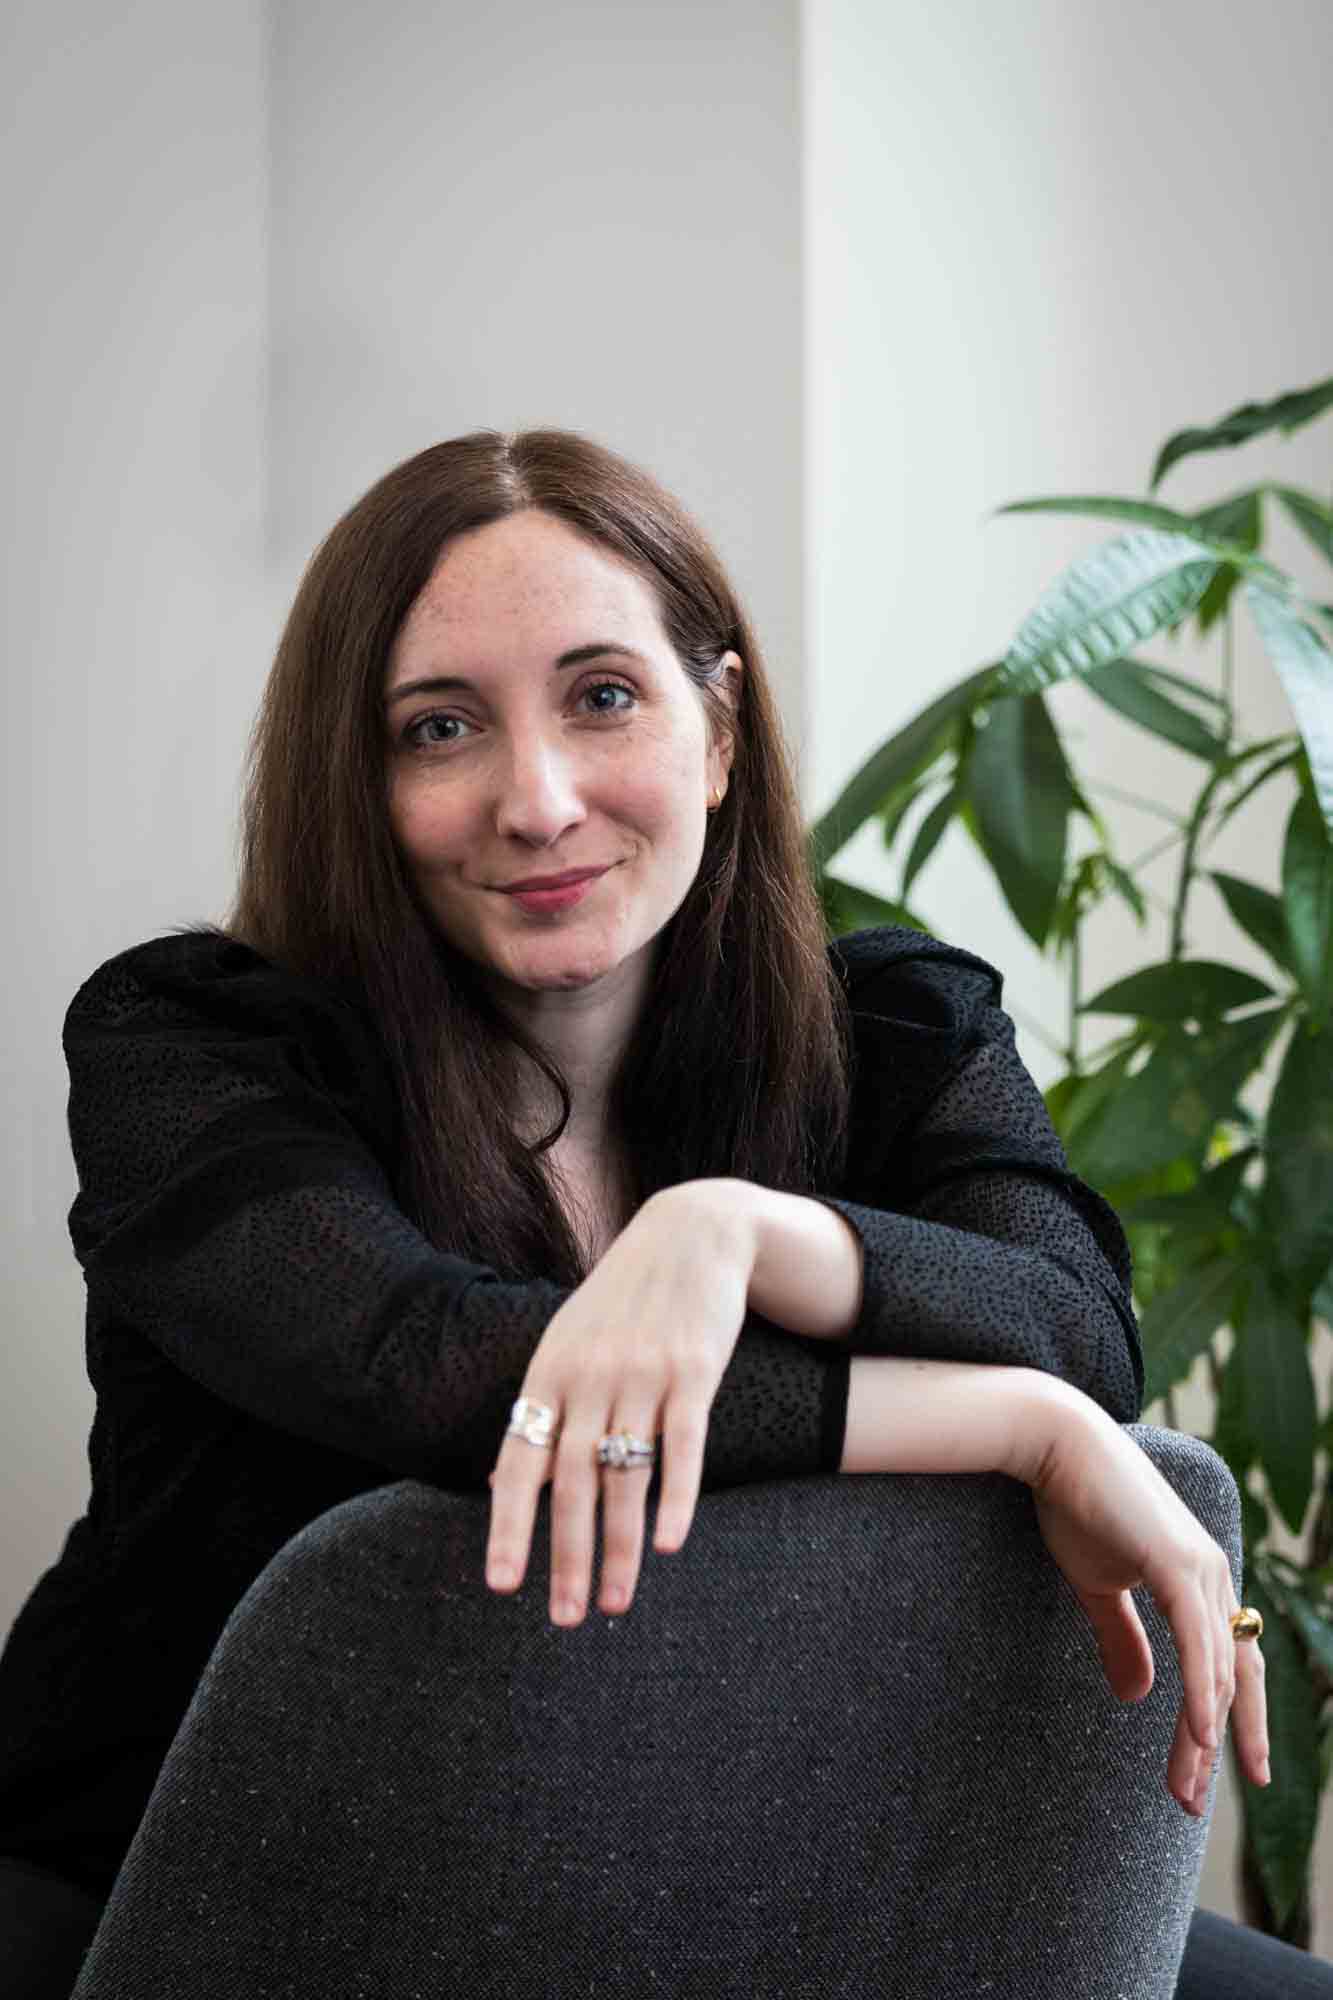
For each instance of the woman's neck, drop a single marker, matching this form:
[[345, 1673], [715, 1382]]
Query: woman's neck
[[584, 1031]]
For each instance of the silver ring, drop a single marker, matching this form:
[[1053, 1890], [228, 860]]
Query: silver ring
[[534, 1422], [624, 1452]]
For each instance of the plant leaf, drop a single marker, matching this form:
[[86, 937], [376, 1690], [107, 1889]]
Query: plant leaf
[[1207, 1205], [1238, 520], [849, 908], [1287, 413], [1231, 1431], [1077, 896], [1075, 1100], [1180, 1323], [1311, 515], [1019, 787], [928, 837], [1192, 690], [1322, 1306], [1313, 1626], [1281, 1818], [1259, 914], [1104, 605], [1213, 604], [1279, 763], [1106, 506], [1094, 877], [1182, 989], [1307, 903], [1124, 686], [1297, 1198], [1279, 1392], [900, 759], [895, 809], [1212, 527], [1127, 888], [1304, 665], [1168, 1109]]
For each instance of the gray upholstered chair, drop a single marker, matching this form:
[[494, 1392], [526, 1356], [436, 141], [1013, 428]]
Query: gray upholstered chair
[[853, 1739]]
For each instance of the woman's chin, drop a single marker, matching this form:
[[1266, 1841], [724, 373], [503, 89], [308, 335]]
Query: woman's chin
[[555, 965]]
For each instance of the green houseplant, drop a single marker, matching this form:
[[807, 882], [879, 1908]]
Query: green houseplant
[[1229, 1214]]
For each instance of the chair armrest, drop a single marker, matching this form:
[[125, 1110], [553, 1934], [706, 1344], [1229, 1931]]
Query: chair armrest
[[854, 1738]]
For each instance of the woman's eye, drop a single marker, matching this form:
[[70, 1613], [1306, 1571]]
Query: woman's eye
[[418, 742], [416, 738], [617, 687]]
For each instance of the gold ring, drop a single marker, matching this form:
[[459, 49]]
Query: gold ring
[[1246, 1623]]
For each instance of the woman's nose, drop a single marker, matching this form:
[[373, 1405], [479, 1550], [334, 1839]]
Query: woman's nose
[[538, 793]]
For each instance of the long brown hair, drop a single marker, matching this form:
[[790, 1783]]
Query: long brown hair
[[739, 1065]]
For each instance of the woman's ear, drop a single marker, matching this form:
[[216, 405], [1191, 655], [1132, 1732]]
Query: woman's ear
[[729, 687], [733, 667]]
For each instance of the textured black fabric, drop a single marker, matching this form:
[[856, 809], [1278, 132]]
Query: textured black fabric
[[269, 1334], [46, 1926]]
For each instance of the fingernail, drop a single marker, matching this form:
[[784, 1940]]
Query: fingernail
[[500, 1575], [614, 1597], [565, 1611], [1265, 1773]]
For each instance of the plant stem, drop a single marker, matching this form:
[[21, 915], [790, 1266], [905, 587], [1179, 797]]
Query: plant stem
[[1228, 675], [1156, 902], [1075, 973], [1205, 798], [1200, 813], [1133, 799], [1151, 853]]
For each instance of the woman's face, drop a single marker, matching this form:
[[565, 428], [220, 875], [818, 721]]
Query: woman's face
[[515, 763]]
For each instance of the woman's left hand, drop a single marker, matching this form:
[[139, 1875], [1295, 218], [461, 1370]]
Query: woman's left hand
[[1113, 1523], [641, 1346]]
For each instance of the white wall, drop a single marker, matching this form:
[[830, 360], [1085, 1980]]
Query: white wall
[[1041, 236], [580, 214], [132, 179]]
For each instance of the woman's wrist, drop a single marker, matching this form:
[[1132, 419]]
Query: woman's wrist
[[802, 1261], [909, 1414]]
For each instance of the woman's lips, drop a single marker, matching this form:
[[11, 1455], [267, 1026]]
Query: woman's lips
[[562, 898]]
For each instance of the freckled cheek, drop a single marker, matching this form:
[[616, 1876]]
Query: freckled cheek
[[426, 832], [660, 797]]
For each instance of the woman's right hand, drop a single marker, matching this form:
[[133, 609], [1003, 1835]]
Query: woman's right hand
[[1113, 1523], [641, 1346]]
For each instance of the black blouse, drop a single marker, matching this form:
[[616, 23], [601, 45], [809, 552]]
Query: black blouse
[[269, 1334]]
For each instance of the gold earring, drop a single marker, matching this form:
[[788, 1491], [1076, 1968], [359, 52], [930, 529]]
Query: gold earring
[[714, 802]]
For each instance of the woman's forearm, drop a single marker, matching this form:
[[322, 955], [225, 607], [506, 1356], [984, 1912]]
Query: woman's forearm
[[905, 1414], [804, 1261], [804, 1268]]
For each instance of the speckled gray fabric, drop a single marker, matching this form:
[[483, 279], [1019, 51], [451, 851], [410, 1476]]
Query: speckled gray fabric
[[853, 1741], [269, 1335]]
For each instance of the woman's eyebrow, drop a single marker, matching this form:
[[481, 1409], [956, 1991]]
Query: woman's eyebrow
[[596, 649]]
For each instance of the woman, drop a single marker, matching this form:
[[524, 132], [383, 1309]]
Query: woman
[[523, 1027]]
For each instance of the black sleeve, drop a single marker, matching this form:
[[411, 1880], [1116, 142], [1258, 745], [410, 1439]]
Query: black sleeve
[[982, 1245], [235, 1209]]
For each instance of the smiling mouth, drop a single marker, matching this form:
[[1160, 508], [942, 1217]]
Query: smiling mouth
[[540, 884]]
